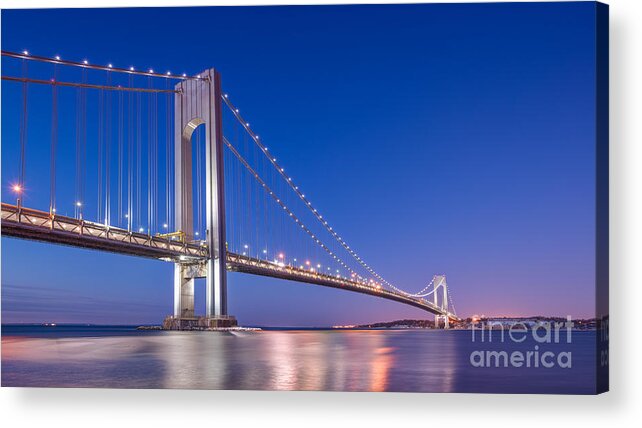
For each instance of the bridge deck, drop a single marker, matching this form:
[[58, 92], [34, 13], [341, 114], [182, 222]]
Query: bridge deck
[[38, 225], [238, 263], [27, 223]]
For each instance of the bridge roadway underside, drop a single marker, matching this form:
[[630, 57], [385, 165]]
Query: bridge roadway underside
[[37, 225]]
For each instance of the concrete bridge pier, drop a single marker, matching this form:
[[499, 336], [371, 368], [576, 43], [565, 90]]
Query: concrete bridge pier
[[184, 316], [183, 293]]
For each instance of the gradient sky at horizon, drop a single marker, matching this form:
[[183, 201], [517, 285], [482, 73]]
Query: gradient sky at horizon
[[445, 138]]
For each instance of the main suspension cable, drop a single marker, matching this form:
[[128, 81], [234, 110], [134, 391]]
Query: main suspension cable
[[273, 195], [255, 138]]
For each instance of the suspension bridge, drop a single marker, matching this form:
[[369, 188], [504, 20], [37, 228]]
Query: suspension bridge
[[164, 166]]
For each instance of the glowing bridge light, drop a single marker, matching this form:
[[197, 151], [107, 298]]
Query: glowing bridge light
[[85, 62], [57, 57], [245, 246], [264, 251], [25, 52], [17, 188], [79, 204], [110, 65], [141, 229], [196, 233], [165, 225], [131, 68], [281, 255]]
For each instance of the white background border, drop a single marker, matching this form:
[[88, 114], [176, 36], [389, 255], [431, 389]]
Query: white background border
[[159, 408]]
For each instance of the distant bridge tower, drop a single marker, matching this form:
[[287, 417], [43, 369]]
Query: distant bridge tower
[[198, 102], [440, 283]]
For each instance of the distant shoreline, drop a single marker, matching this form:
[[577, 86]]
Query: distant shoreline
[[398, 325]]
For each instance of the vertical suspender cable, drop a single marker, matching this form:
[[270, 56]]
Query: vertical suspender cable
[[83, 146], [154, 150], [54, 142], [120, 158], [77, 166], [139, 153], [108, 155], [23, 128], [266, 215], [101, 128], [156, 216], [168, 171], [156, 158], [149, 159], [130, 157], [81, 142]]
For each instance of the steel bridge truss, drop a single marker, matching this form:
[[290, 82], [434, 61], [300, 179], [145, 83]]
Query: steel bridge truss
[[26, 223]]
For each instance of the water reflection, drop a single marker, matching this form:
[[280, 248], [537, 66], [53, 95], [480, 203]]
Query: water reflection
[[380, 367], [431, 361]]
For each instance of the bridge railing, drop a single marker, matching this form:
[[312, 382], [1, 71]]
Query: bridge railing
[[40, 225]]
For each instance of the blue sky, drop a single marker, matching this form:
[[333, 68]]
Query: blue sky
[[454, 139]]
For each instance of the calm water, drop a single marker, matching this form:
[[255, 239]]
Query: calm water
[[374, 360]]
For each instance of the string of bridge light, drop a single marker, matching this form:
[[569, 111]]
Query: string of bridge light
[[450, 299], [286, 209], [420, 292], [87, 65], [301, 195]]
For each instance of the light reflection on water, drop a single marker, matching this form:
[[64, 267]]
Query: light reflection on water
[[430, 361]]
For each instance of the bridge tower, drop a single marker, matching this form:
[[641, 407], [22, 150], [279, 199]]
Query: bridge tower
[[198, 102], [440, 283]]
